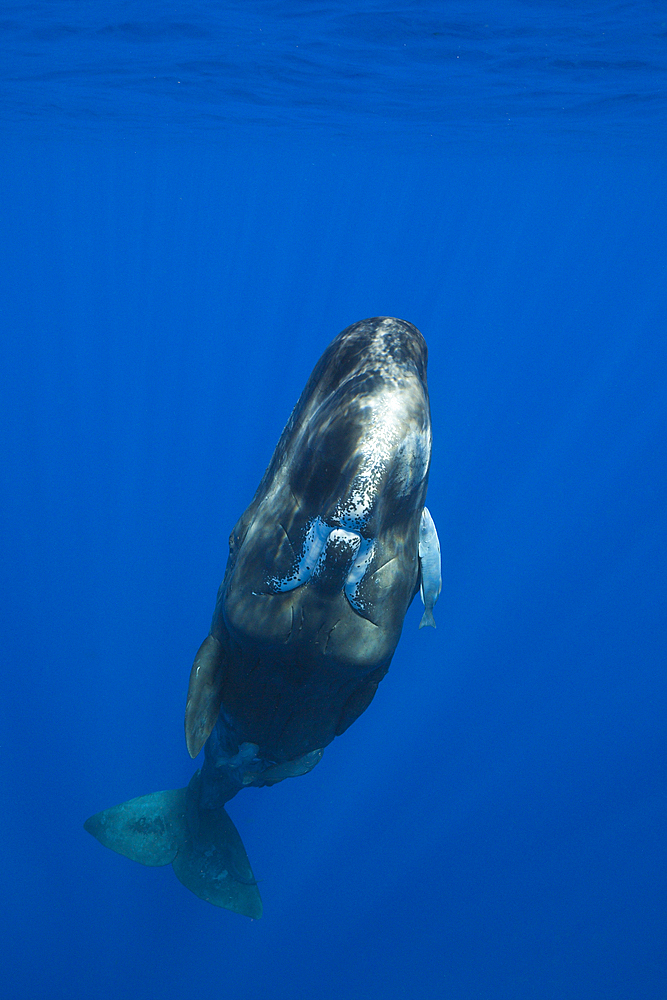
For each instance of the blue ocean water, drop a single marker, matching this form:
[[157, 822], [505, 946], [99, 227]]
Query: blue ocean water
[[195, 200]]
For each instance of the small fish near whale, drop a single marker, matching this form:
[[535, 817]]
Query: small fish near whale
[[322, 568]]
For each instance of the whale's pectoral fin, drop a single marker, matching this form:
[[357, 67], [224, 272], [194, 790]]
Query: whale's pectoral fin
[[203, 845], [360, 699], [289, 769], [213, 862], [204, 694], [149, 829]]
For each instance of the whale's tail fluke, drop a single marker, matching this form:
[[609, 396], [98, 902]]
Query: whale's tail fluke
[[202, 845]]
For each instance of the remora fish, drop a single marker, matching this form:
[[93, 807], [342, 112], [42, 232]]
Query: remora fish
[[322, 568]]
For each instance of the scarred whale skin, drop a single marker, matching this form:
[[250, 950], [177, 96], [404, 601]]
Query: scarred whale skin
[[322, 568]]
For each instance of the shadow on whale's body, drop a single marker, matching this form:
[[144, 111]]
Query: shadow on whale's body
[[322, 568]]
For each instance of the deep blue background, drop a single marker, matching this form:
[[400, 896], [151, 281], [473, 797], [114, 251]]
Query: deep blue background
[[172, 264]]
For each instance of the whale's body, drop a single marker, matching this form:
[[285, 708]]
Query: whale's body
[[322, 568]]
